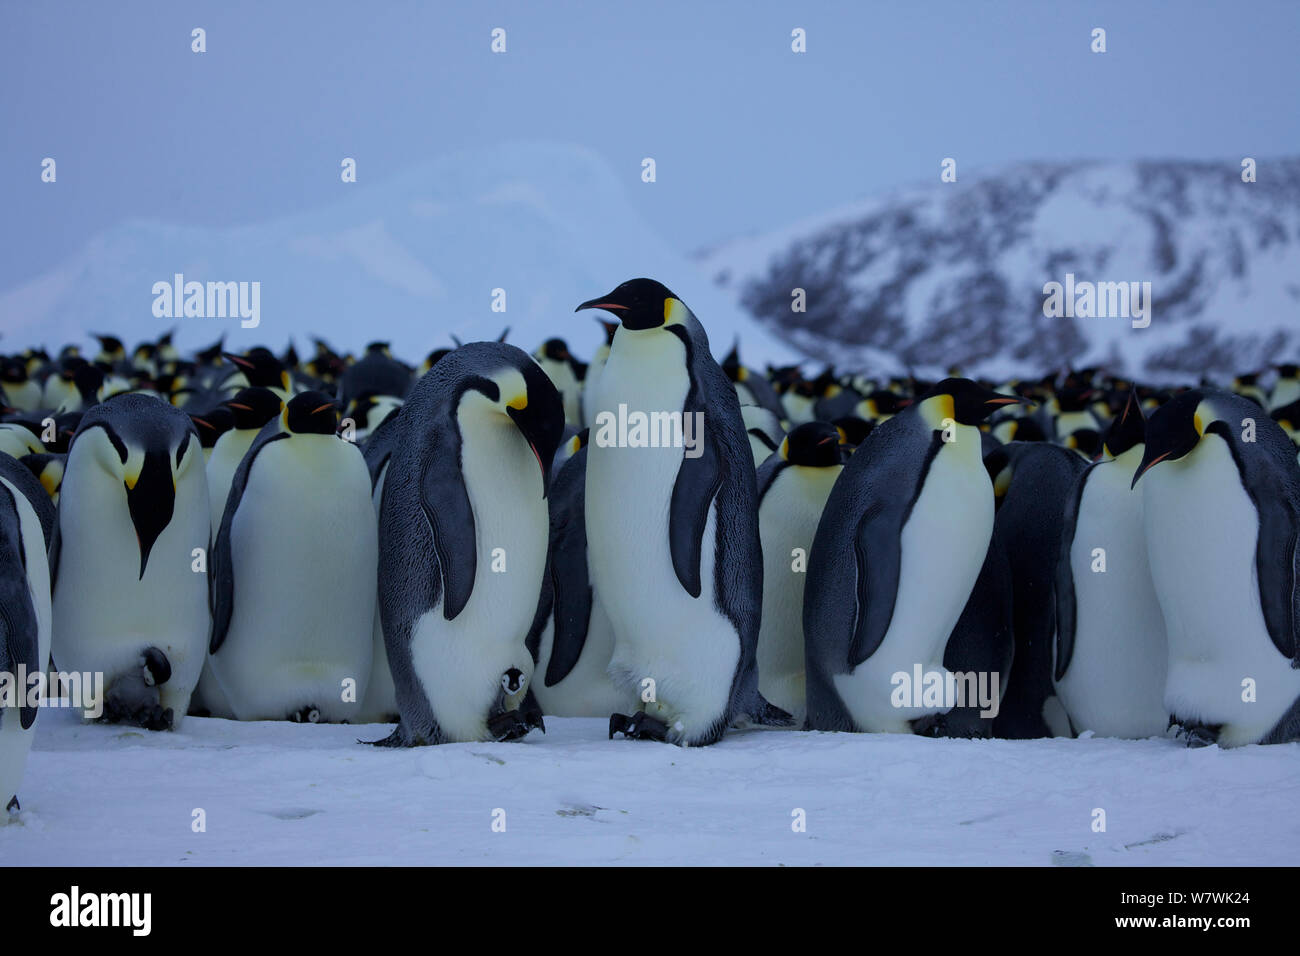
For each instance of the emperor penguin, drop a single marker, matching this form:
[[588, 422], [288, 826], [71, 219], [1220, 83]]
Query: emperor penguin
[[127, 560], [1110, 656], [292, 610], [1221, 508], [1286, 390], [1033, 484], [20, 391], [899, 546], [251, 408], [672, 526], [26, 524], [567, 373], [572, 638], [764, 431], [594, 368], [463, 532], [751, 388], [18, 440], [793, 485], [380, 703]]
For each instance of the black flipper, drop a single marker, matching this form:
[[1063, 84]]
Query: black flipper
[[1277, 558], [444, 500], [570, 581], [221, 566], [698, 481], [878, 550]]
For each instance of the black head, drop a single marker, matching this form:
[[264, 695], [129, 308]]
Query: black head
[[966, 402], [853, 430], [13, 370], [812, 444], [638, 303], [557, 350], [1086, 441], [261, 367], [1128, 428], [254, 407], [1172, 431], [213, 425], [1288, 416], [311, 413]]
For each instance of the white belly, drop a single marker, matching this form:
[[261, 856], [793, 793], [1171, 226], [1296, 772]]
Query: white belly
[[587, 690], [303, 605], [1201, 532], [943, 546], [1115, 683], [105, 616], [664, 635], [15, 743], [787, 521], [226, 455], [461, 662]]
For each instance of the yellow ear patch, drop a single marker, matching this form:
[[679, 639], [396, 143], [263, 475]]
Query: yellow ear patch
[[518, 403], [785, 450], [49, 482], [742, 373], [1200, 427], [132, 476], [671, 315], [946, 407]]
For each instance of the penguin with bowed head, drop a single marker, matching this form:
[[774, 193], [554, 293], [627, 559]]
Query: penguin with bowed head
[[463, 532], [130, 599]]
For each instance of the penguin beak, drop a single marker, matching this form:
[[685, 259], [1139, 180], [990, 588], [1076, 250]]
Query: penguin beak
[[531, 428], [601, 303], [150, 498], [1147, 464]]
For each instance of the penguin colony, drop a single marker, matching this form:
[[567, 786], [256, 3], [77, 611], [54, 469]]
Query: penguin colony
[[465, 547]]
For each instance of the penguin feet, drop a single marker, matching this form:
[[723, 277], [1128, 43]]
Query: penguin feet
[[514, 724], [1200, 735], [307, 715], [640, 726]]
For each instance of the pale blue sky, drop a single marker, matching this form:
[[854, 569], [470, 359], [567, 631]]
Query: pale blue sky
[[746, 134]]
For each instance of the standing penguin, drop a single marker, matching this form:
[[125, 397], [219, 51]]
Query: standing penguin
[[673, 530], [252, 408], [1110, 655], [567, 373], [128, 602], [463, 531], [572, 638], [1034, 486], [26, 523], [380, 703], [292, 610], [594, 368], [1221, 508], [899, 547], [793, 485]]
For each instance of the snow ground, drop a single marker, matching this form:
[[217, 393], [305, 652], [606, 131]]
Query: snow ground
[[291, 794]]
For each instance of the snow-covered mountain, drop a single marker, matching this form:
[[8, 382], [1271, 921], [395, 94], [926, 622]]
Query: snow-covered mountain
[[955, 272], [410, 260]]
